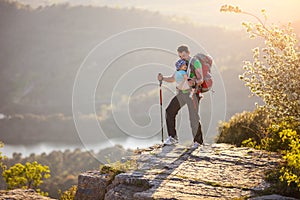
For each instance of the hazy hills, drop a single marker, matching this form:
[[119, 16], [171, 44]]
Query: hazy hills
[[42, 50]]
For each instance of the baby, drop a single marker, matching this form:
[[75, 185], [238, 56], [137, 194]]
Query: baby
[[181, 76]]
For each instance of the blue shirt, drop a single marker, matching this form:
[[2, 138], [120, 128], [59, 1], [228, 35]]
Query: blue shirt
[[179, 76]]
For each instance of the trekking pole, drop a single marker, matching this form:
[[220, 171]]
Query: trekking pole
[[161, 114]]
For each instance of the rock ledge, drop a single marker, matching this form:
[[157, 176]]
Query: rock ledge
[[217, 171], [19, 194]]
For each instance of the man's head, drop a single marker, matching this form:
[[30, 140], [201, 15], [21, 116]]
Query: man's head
[[183, 52]]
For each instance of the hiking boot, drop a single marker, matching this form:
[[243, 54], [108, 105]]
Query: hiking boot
[[196, 145], [170, 141]]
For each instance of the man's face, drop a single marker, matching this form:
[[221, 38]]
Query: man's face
[[184, 55]]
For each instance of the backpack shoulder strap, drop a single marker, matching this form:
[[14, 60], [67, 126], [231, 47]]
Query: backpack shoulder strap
[[191, 68]]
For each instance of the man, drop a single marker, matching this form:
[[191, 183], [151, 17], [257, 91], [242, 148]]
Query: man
[[183, 98]]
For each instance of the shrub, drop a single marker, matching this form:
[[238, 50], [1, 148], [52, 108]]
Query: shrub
[[275, 140], [291, 170], [286, 178], [2, 166], [68, 194], [273, 75], [243, 126], [280, 186], [30, 175], [118, 167], [275, 137]]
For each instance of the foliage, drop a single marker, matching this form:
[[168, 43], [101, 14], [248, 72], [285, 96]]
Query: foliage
[[243, 126], [118, 167], [291, 170], [68, 194], [2, 166], [67, 165], [286, 178], [274, 73], [250, 143], [280, 186], [30, 175], [274, 77], [272, 139]]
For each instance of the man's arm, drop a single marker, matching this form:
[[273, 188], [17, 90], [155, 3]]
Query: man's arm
[[168, 79], [185, 77]]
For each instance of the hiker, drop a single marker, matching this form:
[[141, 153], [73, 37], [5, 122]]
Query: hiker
[[195, 79]]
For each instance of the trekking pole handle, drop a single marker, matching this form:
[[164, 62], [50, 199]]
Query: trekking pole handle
[[160, 81]]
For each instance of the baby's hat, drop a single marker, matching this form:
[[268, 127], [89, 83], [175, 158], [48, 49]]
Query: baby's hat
[[179, 63]]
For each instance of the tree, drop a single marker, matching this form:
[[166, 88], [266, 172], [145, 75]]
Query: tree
[[30, 175], [274, 73]]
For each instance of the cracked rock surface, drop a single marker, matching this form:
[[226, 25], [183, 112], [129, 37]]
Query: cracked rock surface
[[20, 194], [217, 171]]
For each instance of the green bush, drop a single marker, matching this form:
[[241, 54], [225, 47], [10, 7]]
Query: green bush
[[68, 194], [118, 167], [2, 166], [243, 126], [275, 139], [30, 175], [291, 169], [286, 178], [280, 186], [275, 136]]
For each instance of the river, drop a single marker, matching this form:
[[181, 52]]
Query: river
[[26, 150]]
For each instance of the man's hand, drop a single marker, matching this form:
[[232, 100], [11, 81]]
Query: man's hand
[[160, 77], [191, 82]]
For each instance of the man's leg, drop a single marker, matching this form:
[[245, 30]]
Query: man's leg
[[171, 112], [193, 106]]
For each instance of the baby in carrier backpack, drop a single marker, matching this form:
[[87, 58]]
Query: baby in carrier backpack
[[181, 76]]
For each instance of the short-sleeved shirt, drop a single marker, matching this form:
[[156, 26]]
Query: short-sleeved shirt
[[180, 82], [179, 75], [197, 65]]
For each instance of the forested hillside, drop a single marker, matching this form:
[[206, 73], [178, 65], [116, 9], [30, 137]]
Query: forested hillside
[[42, 49], [67, 165]]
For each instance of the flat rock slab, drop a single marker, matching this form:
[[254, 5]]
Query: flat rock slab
[[217, 171], [20, 194]]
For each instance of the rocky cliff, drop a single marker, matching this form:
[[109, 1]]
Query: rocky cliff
[[19, 194], [217, 171]]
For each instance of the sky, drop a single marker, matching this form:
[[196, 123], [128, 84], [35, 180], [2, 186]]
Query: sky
[[199, 12]]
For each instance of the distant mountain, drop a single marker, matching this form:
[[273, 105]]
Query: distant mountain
[[42, 49]]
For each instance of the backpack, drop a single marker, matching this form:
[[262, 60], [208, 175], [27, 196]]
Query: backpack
[[206, 62]]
